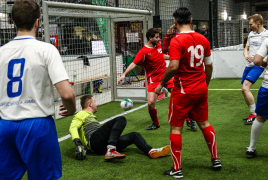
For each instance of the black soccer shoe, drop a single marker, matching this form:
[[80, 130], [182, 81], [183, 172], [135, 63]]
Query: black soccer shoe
[[216, 163], [251, 154], [249, 121], [192, 125], [176, 174], [153, 127]]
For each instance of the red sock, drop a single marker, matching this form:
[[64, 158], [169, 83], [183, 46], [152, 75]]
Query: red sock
[[210, 137], [187, 118], [175, 146], [153, 114]]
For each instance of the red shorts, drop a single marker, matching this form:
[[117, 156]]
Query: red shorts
[[181, 105], [168, 85]]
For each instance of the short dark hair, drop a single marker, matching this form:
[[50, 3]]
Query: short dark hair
[[151, 33], [182, 15], [24, 14], [84, 100]]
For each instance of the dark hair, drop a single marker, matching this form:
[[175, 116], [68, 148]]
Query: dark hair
[[182, 15], [24, 14], [151, 33], [84, 100]]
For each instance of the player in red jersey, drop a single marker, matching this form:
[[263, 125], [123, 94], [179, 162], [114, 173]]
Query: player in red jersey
[[152, 59], [190, 93], [171, 33]]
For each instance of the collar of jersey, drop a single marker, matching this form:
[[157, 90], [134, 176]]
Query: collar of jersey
[[22, 38], [149, 46], [187, 32], [260, 32]]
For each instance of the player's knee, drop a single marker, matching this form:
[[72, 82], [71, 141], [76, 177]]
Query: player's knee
[[122, 120], [245, 89], [151, 104]]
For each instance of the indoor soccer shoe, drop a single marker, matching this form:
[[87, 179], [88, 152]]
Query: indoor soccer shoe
[[250, 121], [216, 163], [251, 154], [249, 117], [176, 174], [152, 127], [192, 125], [156, 153], [113, 154]]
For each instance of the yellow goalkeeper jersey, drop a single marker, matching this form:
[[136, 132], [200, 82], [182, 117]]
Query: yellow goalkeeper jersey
[[83, 125]]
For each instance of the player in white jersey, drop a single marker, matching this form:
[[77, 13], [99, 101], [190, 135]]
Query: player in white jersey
[[252, 72], [29, 69], [262, 101]]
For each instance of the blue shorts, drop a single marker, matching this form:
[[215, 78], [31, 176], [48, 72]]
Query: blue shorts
[[262, 103], [32, 145], [252, 74]]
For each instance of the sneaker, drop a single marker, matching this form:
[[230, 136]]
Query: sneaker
[[249, 117], [113, 154], [152, 127], [192, 125], [250, 121], [216, 163], [175, 174], [251, 154], [156, 153]]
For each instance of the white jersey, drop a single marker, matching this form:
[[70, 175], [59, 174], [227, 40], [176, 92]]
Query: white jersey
[[254, 42], [263, 51], [29, 68]]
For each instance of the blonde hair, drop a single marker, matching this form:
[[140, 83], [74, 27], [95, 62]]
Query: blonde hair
[[256, 18]]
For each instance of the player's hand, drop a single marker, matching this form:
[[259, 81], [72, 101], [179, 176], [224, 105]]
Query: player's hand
[[80, 150], [121, 79], [158, 89], [249, 59], [64, 111]]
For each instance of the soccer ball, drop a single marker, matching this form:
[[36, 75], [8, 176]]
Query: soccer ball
[[126, 104]]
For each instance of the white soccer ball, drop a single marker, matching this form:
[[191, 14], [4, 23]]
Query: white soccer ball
[[126, 104]]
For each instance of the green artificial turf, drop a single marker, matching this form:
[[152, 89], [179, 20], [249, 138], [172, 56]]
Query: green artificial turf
[[226, 111]]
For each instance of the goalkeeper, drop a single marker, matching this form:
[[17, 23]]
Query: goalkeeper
[[87, 133]]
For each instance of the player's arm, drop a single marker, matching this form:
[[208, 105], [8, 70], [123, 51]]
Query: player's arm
[[170, 29], [246, 55], [170, 72], [128, 70], [80, 150], [261, 54], [208, 68], [67, 96], [258, 60], [166, 57]]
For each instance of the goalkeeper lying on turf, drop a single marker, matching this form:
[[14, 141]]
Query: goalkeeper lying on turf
[[87, 133]]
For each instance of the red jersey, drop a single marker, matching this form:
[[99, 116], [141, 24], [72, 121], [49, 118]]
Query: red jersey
[[153, 62], [190, 48], [167, 40]]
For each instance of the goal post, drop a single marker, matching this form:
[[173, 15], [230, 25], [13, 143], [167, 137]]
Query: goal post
[[87, 37]]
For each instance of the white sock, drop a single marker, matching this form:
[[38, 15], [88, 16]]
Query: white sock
[[110, 147], [252, 108], [255, 133]]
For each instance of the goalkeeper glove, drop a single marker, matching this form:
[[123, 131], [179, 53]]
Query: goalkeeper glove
[[80, 151]]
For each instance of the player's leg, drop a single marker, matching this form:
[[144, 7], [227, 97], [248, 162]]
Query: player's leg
[[39, 148], [151, 99], [199, 112], [137, 139], [178, 110], [249, 99], [262, 115], [252, 75], [11, 166], [104, 140]]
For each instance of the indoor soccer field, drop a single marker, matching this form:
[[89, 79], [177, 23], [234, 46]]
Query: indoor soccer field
[[226, 111]]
